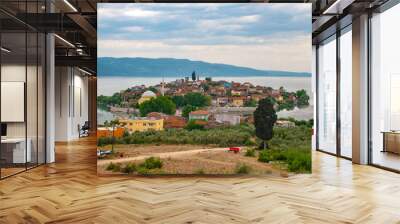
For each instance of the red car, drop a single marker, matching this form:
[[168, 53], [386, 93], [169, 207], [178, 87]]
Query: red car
[[234, 149]]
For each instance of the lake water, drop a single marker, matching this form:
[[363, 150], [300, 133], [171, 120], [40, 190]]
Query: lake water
[[109, 85]]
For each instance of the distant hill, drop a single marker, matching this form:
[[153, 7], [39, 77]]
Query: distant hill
[[170, 67]]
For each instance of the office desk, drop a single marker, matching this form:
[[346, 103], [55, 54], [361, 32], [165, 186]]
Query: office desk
[[391, 141], [13, 150]]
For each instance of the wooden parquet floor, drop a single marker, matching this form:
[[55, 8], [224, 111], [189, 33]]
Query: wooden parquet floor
[[69, 191]]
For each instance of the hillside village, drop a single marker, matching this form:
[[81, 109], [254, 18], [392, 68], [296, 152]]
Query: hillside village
[[206, 103]]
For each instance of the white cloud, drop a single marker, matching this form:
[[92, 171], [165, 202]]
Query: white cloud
[[295, 8], [126, 11], [227, 24], [132, 29]]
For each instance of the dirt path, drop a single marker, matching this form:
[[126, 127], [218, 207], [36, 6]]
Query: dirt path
[[161, 155]]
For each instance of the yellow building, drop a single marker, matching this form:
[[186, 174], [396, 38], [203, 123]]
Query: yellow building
[[237, 101], [146, 96], [143, 124]]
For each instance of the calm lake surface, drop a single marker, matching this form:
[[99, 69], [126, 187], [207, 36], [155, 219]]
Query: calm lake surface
[[109, 85]]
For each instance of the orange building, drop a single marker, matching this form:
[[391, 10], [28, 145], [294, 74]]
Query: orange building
[[107, 132], [170, 121]]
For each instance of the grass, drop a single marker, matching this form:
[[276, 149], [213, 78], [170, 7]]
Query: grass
[[297, 160], [149, 165], [291, 147], [114, 167], [152, 163], [199, 171], [129, 168], [250, 153], [264, 156], [242, 169], [223, 137]]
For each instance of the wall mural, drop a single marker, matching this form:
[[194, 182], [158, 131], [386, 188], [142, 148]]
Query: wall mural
[[205, 89]]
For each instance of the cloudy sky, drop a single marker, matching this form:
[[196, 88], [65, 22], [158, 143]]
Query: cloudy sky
[[262, 36]]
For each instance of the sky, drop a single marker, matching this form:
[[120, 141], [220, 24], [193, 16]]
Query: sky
[[258, 35]]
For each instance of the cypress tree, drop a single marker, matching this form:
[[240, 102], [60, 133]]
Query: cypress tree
[[264, 120]]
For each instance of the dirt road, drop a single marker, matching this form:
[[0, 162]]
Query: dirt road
[[160, 155]]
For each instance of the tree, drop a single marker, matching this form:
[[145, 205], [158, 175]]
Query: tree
[[250, 103], [264, 120], [153, 89], [192, 125], [302, 98], [179, 101], [287, 104], [208, 79], [205, 87], [187, 109], [162, 104], [197, 100], [104, 102], [194, 76], [112, 124]]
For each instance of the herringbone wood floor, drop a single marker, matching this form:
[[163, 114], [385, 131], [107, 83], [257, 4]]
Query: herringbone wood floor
[[69, 191]]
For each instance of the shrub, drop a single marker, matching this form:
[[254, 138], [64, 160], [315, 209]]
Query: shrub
[[129, 168], [126, 134], [249, 142], [250, 153], [199, 171], [242, 169], [142, 170], [279, 155], [192, 125], [104, 141], [264, 156], [152, 163], [223, 136], [113, 167], [298, 162]]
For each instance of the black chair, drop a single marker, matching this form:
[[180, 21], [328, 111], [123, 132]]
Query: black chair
[[84, 130]]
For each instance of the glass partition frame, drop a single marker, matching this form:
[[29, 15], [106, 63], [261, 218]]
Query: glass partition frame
[[338, 100], [29, 54]]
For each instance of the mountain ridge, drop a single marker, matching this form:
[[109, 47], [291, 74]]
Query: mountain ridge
[[172, 67]]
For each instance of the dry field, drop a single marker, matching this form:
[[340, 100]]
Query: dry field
[[188, 159]]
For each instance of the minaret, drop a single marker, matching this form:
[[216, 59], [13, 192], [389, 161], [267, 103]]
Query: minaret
[[162, 86]]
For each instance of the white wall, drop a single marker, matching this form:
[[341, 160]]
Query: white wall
[[12, 73], [71, 102]]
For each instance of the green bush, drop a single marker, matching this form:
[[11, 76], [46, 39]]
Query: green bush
[[192, 125], [298, 161], [249, 142], [242, 169], [143, 170], [199, 171], [250, 153], [152, 163], [279, 155], [264, 156], [113, 167], [103, 141], [129, 168], [223, 137]]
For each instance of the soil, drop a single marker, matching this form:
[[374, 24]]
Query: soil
[[190, 159]]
